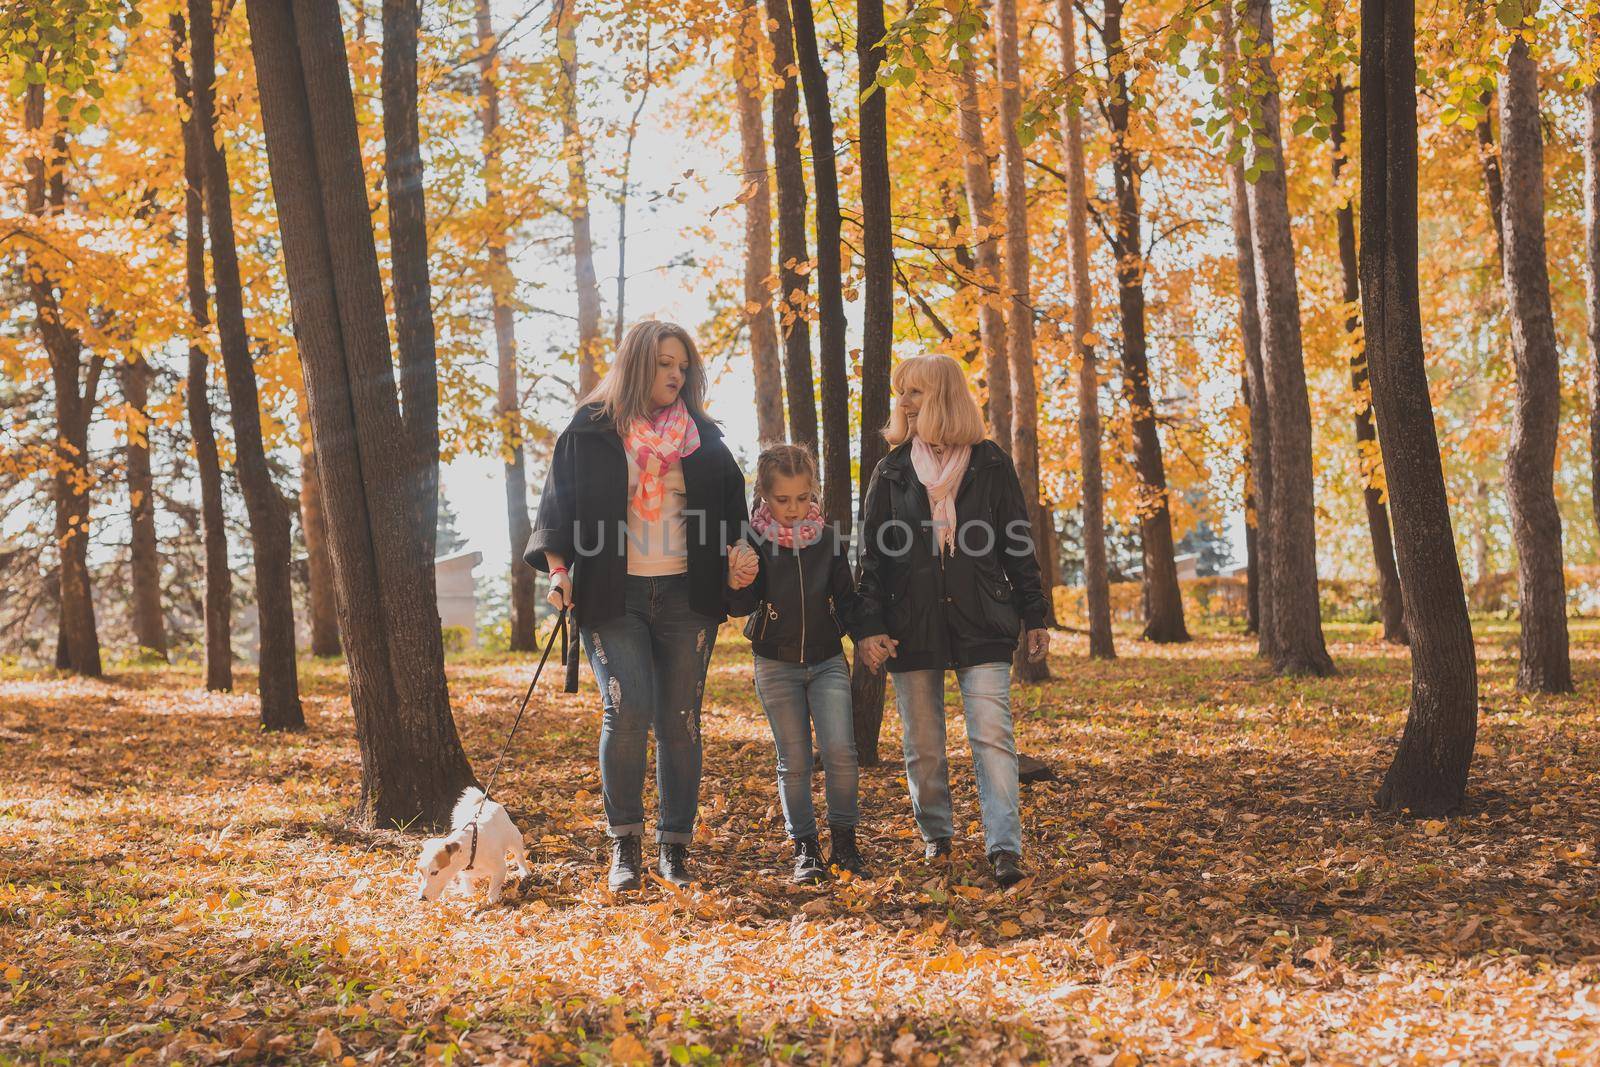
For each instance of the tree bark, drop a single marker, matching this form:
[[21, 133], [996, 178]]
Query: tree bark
[[1489, 161], [219, 578], [1163, 599], [758, 230], [979, 184], [1298, 646], [830, 294], [1391, 605], [268, 512], [319, 565], [573, 148], [1096, 578], [1544, 664], [1591, 249], [149, 624], [1429, 774], [412, 764], [794, 285], [408, 255]]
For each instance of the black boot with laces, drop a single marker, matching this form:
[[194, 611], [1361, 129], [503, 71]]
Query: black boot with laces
[[808, 866], [672, 862], [626, 863], [842, 851]]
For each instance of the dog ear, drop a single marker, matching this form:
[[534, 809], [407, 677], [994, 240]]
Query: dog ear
[[451, 848]]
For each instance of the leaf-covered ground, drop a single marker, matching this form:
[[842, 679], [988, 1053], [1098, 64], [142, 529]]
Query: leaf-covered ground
[[1211, 885]]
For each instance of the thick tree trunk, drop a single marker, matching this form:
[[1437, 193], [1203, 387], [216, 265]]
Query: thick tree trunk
[[990, 274], [748, 82], [408, 254], [1591, 249], [149, 624], [319, 564], [573, 149], [1298, 646], [830, 294], [502, 285], [1429, 772], [1530, 458], [1096, 578], [268, 512], [1163, 599], [1390, 603], [794, 284], [412, 764], [219, 578]]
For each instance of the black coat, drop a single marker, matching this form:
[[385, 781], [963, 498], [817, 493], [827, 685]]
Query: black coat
[[801, 602], [583, 516], [949, 610]]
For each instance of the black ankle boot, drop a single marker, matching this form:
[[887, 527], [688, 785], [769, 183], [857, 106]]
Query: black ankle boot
[[937, 849], [672, 862], [808, 866], [842, 851], [627, 866], [1007, 867]]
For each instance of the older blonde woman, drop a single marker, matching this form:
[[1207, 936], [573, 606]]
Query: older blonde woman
[[949, 581]]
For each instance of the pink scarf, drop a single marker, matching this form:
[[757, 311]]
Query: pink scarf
[[940, 474], [766, 524], [655, 444]]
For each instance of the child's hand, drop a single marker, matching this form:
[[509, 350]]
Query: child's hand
[[743, 565]]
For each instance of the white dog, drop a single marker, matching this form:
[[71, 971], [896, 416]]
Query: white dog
[[446, 859]]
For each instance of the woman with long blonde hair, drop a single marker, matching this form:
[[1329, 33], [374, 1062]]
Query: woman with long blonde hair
[[949, 581], [641, 502]]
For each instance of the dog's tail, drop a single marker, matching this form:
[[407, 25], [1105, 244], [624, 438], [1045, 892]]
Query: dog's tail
[[466, 807]]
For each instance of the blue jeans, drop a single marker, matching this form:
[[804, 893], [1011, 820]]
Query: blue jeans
[[799, 697], [650, 663], [986, 702]]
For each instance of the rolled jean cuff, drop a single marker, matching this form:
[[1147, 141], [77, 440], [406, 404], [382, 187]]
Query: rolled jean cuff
[[632, 829], [669, 837]]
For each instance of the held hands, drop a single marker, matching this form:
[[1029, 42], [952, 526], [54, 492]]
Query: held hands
[[877, 650], [1038, 645], [743, 565]]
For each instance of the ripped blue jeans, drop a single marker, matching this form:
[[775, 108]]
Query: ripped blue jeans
[[650, 663]]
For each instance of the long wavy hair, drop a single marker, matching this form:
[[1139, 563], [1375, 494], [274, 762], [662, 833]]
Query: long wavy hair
[[624, 393], [949, 414]]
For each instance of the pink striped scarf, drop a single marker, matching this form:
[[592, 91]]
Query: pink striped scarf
[[655, 444], [808, 529]]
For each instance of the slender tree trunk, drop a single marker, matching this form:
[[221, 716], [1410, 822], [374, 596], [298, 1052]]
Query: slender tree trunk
[[793, 283], [1096, 578], [412, 764], [1390, 602], [1489, 161], [502, 285], [149, 624], [1530, 458], [1291, 526], [408, 253], [748, 82], [1163, 599], [573, 148], [319, 565], [1591, 248], [830, 294], [1429, 773], [990, 274], [268, 512], [219, 578]]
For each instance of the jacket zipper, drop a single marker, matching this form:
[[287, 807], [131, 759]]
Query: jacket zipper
[[768, 615], [801, 572]]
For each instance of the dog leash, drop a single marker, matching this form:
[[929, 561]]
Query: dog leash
[[559, 628]]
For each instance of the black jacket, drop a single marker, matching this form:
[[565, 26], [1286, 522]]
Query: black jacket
[[955, 610], [801, 602], [583, 516]]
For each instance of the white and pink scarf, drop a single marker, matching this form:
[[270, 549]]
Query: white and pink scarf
[[655, 444], [940, 470], [807, 531]]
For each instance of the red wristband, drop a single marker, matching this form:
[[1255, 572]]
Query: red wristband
[[557, 570]]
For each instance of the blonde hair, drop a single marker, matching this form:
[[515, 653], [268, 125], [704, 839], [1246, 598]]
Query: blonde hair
[[787, 460], [624, 393], [949, 414]]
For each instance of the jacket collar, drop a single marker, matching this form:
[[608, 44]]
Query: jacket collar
[[896, 466]]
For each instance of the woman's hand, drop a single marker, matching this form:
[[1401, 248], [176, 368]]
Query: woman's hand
[[877, 650], [560, 594], [743, 565], [1038, 645]]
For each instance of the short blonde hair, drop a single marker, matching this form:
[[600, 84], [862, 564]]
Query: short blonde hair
[[949, 414], [624, 393]]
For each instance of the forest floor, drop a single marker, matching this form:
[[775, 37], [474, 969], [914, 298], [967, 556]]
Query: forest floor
[[1211, 886]]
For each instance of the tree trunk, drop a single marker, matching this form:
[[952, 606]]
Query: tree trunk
[[789, 176], [1163, 599], [1530, 458], [149, 625], [986, 239], [319, 565], [1489, 161], [830, 294], [748, 82], [573, 148], [219, 578], [1429, 773], [1298, 647], [412, 764], [408, 255], [502, 286], [269, 514], [1096, 578], [1390, 602], [1591, 248]]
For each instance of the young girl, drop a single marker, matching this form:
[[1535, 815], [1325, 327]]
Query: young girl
[[801, 600]]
